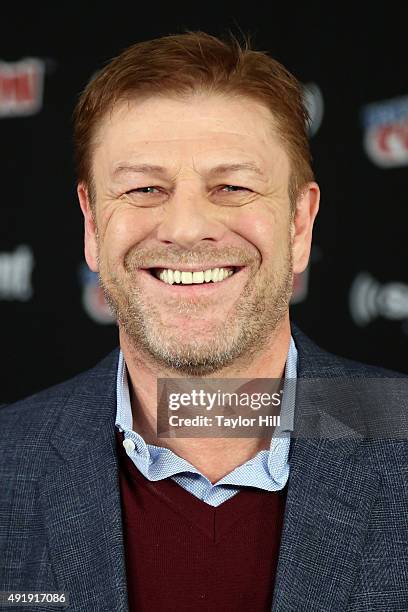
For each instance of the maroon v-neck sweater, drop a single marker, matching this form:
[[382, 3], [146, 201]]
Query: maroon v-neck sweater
[[184, 555]]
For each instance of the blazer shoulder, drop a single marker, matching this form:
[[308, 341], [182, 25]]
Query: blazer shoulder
[[37, 414], [316, 362], [358, 368]]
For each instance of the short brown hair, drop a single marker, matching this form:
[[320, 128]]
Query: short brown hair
[[181, 64]]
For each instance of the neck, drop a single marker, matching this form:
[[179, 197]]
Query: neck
[[213, 457]]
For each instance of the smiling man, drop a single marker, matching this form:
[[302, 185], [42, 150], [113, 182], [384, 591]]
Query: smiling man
[[191, 229], [199, 201]]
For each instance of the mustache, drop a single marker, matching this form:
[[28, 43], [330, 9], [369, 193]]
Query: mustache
[[207, 256]]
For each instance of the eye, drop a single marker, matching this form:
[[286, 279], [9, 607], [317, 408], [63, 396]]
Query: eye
[[142, 190], [233, 188]]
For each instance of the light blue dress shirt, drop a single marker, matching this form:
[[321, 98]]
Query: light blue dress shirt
[[268, 470]]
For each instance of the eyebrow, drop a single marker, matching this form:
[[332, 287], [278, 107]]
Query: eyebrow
[[160, 170]]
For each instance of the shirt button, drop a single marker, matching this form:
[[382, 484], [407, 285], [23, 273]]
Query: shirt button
[[129, 445]]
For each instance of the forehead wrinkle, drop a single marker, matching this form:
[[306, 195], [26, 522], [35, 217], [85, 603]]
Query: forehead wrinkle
[[217, 170], [123, 169]]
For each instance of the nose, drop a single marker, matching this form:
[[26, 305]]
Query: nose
[[190, 218]]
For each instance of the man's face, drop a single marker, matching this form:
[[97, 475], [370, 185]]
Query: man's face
[[192, 185]]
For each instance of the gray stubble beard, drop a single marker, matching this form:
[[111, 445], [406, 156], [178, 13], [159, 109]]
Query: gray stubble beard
[[246, 332]]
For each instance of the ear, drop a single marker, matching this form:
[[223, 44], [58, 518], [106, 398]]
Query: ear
[[90, 238], [307, 207]]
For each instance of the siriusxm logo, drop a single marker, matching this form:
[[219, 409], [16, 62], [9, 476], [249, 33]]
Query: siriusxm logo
[[386, 132], [369, 300]]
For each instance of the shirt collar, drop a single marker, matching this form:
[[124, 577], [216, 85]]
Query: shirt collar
[[124, 420]]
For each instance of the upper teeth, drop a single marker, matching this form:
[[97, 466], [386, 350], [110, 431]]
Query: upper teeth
[[187, 278]]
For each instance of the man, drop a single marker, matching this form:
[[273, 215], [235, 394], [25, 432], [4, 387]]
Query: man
[[198, 198]]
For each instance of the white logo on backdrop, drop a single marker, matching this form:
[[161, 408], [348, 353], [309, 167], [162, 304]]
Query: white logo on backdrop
[[313, 100], [15, 274], [369, 300]]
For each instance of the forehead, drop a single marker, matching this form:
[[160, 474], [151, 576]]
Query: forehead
[[201, 129]]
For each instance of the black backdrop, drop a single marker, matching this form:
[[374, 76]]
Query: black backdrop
[[354, 298]]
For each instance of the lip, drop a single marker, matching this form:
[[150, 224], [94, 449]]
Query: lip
[[193, 290], [193, 268]]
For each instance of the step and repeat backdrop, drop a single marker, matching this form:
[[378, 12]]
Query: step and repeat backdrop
[[353, 297]]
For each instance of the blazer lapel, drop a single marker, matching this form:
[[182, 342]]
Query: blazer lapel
[[331, 491], [327, 511], [81, 497]]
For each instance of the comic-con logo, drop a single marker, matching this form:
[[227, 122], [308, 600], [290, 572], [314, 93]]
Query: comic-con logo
[[386, 132], [93, 299], [313, 101], [370, 299], [21, 87]]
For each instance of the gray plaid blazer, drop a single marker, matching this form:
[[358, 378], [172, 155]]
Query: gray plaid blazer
[[345, 535]]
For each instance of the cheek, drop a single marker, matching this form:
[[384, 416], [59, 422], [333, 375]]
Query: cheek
[[124, 230], [265, 229]]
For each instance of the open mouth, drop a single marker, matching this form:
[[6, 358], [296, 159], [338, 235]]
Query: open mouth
[[201, 277]]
